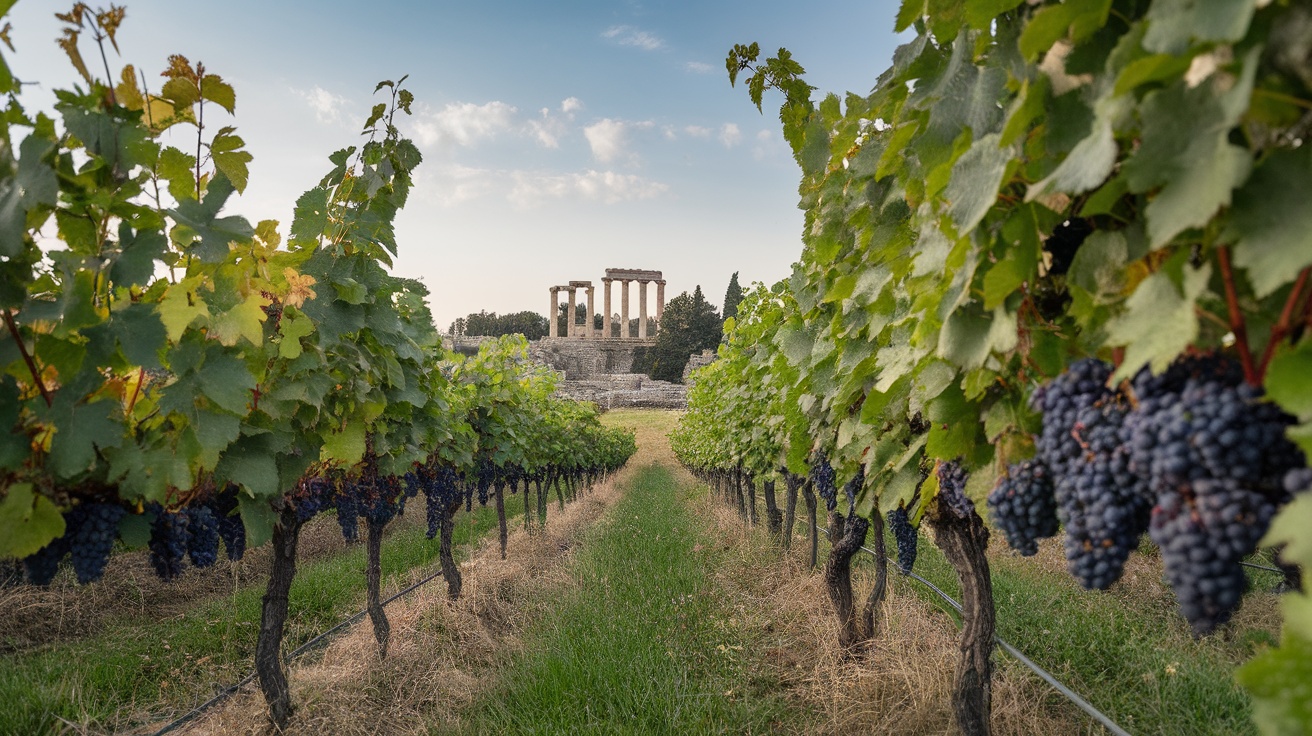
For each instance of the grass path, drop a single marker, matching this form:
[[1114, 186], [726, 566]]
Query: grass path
[[643, 644]]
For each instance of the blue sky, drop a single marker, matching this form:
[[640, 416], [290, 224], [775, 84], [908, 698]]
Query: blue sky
[[559, 138]]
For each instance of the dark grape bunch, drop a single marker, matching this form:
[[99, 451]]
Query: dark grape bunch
[[91, 529], [311, 497], [202, 536], [906, 537], [952, 489], [853, 487], [42, 565], [441, 489], [1023, 507], [168, 542], [1191, 455], [228, 522], [347, 501], [1202, 539], [823, 479]]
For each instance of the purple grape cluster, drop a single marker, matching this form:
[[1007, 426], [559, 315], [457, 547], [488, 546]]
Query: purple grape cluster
[[906, 537], [441, 487], [42, 565], [347, 501], [168, 543], [823, 480], [952, 489], [228, 522], [202, 536], [91, 530], [1023, 506]]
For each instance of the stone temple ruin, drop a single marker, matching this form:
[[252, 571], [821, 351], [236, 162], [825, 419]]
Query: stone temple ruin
[[596, 365], [586, 330]]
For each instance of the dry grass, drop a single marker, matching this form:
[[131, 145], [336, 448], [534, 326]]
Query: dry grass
[[32, 617], [442, 652], [901, 685]]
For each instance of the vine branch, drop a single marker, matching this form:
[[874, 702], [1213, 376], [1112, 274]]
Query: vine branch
[[27, 357], [1284, 324], [1237, 326]]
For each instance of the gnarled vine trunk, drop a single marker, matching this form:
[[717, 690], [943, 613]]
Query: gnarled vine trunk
[[848, 536], [793, 484], [774, 518], [808, 495], [273, 617], [449, 570], [876, 597], [373, 576], [498, 492], [750, 481], [964, 541]]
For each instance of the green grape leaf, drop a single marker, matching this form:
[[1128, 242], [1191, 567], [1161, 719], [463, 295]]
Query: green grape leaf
[[30, 521], [1150, 69], [140, 334], [1076, 18], [976, 176], [909, 12], [1099, 265], [138, 252], [969, 336], [214, 233], [134, 530], [258, 518], [1159, 321], [214, 89], [229, 159], [82, 429], [1271, 221], [980, 13], [1086, 167], [255, 471], [310, 218], [244, 321], [225, 379], [179, 308], [183, 93], [1277, 678], [345, 446], [1174, 24], [1289, 380], [179, 169], [293, 328], [954, 425], [33, 186]]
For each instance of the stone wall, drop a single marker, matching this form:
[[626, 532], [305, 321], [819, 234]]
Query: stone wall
[[697, 361], [626, 390], [582, 360]]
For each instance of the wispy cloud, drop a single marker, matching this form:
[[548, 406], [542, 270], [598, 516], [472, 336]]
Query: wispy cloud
[[730, 135], [608, 187], [609, 138], [463, 123], [630, 36], [698, 67], [327, 107], [548, 128]]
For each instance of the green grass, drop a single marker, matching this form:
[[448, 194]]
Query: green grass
[[166, 667], [642, 645], [1136, 663]]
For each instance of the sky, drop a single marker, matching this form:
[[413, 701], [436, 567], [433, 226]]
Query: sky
[[559, 138]]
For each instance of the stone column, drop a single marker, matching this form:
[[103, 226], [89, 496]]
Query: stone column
[[570, 328], [660, 302], [605, 304], [553, 330], [642, 309], [624, 308], [588, 330]]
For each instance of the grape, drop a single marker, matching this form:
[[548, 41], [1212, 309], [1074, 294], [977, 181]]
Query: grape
[[168, 543], [906, 538], [952, 489], [853, 487], [91, 531], [1061, 400], [42, 565], [441, 488], [230, 526], [1298, 480], [311, 497], [202, 536], [1022, 505], [348, 510], [822, 478], [1203, 534]]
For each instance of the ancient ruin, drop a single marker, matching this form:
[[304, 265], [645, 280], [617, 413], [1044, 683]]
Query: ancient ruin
[[586, 330]]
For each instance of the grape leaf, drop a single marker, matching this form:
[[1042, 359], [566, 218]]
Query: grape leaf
[[229, 159], [30, 521], [1289, 380], [1159, 321], [244, 321], [976, 176], [214, 233], [1271, 220], [1174, 24]]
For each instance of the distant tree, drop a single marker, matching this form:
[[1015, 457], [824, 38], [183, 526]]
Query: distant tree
[[580, 316], [732, 296], [489, 324], [689, 325], [457, 327]]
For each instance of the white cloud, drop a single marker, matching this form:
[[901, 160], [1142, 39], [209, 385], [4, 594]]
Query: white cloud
[[630, 36], [697, 131], [463, 123], [326, 105], [698, 67], [448, 186], [571, 105], [533, 189], [730, 135], [550, 127], [607, 139], [770, 145]]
